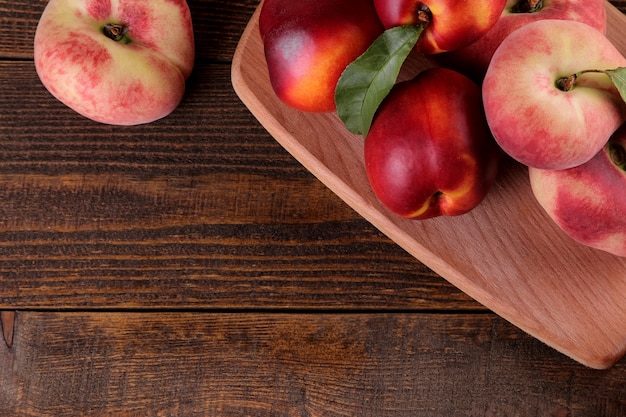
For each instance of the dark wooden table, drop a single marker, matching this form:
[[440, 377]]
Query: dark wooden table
[[192, 267]]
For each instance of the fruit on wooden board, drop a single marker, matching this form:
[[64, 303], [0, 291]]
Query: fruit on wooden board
[[588, 202], [429, 151], [533, 117], [474, 59], [451, 24], [309, 43], [121, 62]]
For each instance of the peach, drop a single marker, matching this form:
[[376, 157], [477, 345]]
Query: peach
[[588, 202], [120, 62], [531, 116], [429, 152], [309, 43]]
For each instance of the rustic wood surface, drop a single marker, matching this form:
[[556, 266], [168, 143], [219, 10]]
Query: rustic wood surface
[[193, 267]]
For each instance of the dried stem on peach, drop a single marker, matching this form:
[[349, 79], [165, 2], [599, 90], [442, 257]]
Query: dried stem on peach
[[116, 32], [567, 83], [617, 76], [424, 15], [527, 6]]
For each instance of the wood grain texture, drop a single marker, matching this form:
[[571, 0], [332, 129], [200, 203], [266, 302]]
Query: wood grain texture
[[202, 209], [507, 254], [7, 325], [192, 267], [188, 364]]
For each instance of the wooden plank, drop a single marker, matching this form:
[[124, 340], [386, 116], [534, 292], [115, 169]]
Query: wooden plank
[[343, 265], [18, 20], [94, 364], [210, 131], [506, 253]]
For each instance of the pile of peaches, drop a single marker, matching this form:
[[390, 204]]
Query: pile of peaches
[[537, 81]]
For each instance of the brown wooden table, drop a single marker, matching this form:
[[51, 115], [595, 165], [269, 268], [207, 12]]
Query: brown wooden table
[[192, 267]]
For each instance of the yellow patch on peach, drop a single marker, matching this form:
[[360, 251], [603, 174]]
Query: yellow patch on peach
[[315, 88]]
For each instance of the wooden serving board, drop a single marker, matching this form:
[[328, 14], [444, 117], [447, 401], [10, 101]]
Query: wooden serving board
[[506, 254]]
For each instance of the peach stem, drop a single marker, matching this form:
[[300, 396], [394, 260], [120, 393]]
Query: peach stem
[[115, 31], [424, 15], [569, 82], [527, 6]]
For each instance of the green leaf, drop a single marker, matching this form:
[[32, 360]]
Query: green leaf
[[366, 82], [618, 77]]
